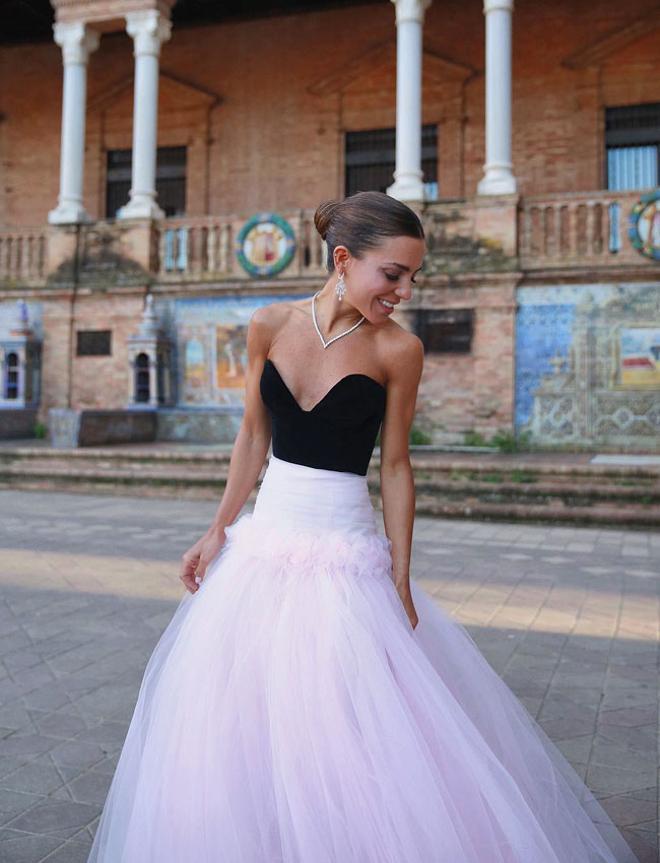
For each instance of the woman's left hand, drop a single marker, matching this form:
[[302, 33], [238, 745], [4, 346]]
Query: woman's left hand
[[406, 598]]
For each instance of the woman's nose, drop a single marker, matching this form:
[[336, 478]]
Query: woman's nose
[[404, 291]]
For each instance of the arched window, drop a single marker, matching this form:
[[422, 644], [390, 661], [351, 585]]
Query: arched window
[[11, 375], [142, 390]]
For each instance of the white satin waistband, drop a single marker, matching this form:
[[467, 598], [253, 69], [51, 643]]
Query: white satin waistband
[[314, 497]]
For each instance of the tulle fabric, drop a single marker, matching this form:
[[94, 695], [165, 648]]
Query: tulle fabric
[[290, 714]]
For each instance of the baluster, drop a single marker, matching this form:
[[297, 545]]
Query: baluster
[[546, 222], [41, 256], [197, 250], [15, 257], [614, 227], [182, 236], [26, 257], [599, 219], [589, 230], [527, 231], [572, 230], [212, 248], [230, 238], [165, 250], [557, 229]]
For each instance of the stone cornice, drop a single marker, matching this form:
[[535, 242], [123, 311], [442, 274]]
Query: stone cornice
[[194, 94], [91, 11], [599, 51], [439, 68]]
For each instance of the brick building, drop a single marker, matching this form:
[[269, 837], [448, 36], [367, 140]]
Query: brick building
[[160, 166]]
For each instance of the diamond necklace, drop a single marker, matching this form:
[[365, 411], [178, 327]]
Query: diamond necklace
[[339, 335]]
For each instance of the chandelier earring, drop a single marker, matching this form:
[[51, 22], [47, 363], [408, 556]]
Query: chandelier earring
[[340, 287]]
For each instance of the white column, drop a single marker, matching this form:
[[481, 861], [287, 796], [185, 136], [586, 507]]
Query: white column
[[77, 42], [149, 30], [408, 184], [498, 177]]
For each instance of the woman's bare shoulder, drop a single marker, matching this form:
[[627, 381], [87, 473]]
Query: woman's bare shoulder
[[399, 346], [277, 313], [267, 321]]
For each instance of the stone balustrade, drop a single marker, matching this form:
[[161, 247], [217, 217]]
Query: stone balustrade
[[22, 255], [204, 248], [568, 231], [577, 229]]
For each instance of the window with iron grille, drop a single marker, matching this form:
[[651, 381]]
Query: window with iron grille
[[632, 141], [170, 180], [142, 378], [370, 159], [11, 376], [93, 343], [445, 331]]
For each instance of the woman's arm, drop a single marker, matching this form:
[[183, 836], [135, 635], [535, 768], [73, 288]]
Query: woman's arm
[[396, 476], [247, 456]]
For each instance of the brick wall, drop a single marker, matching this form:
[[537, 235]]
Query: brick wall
[[262, 106], [96, 381], [288, 87]]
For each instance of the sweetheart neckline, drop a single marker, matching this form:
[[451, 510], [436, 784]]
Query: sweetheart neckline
[[332, 388]]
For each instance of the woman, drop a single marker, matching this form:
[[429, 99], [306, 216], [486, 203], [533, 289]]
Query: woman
[[308, 703]]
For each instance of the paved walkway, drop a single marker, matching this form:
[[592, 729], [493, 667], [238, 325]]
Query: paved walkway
[[569, 617]]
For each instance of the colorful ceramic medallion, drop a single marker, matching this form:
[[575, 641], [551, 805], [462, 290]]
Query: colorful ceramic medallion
[[644, 231], [265, 244]]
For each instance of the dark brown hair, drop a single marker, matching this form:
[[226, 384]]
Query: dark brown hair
[[362, 221]]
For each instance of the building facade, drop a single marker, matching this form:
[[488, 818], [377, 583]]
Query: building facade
[[160, 171]]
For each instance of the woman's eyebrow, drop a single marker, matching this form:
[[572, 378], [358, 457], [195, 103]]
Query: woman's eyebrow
[[403, 266]]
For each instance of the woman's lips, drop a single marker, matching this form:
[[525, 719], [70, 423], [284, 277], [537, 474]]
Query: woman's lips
[[385, 308]]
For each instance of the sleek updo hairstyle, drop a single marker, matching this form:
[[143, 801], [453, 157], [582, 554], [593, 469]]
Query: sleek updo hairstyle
[[362, 221]]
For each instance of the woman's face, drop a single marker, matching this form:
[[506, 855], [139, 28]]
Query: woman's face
[[382, 277]]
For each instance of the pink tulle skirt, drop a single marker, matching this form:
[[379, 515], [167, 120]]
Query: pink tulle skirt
[[289, 713]]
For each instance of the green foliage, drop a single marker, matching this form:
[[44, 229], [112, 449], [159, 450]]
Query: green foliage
[[40, 429], [503, 439], [474, 438], [522, 476], [418, 437], [491, 477]]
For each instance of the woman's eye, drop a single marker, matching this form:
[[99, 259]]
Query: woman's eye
[[392, 278]]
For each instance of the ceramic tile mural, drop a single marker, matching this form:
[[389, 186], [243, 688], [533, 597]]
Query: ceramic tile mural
[[210, 334], [588, 364]]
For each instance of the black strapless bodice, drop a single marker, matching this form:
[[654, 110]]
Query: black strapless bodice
[[338, 433]]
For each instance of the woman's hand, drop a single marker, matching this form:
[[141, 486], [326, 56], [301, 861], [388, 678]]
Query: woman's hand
[[406, 598], [195, 561]]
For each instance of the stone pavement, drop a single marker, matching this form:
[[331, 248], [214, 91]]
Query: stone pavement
[[568, 616]]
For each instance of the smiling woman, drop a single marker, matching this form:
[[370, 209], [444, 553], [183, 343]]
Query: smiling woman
[[309, 702]]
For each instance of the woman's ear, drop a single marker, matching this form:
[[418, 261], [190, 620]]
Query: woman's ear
[[340, 257]]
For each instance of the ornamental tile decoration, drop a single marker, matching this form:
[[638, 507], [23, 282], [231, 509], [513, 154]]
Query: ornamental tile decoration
[[644, 230], [588, 364], [265, 245]]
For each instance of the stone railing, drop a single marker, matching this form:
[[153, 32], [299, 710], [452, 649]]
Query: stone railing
[[22, 255], [577, 229], [204, 248], [583, 230]]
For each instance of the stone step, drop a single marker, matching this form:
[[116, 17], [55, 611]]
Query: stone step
[[520, 492]]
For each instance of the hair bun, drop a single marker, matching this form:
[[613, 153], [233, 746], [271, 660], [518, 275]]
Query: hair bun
[[323, 216]]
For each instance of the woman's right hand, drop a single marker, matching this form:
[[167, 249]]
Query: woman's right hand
[[195, 561]]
